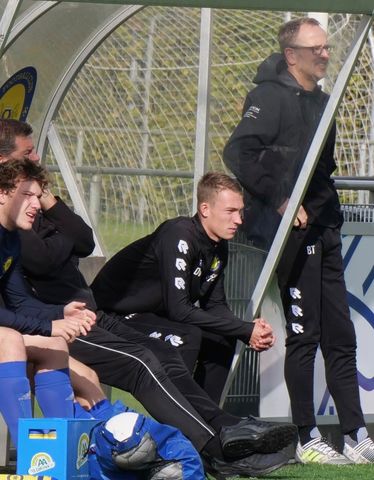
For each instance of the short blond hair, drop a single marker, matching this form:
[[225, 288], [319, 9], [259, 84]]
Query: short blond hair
[[214, 182]]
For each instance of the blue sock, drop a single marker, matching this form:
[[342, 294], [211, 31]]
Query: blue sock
[[80, 412], [15, 400], [102, 410], [54, 393]]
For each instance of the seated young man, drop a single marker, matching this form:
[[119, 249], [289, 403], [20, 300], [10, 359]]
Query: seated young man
[[176, 275], [33, 334]]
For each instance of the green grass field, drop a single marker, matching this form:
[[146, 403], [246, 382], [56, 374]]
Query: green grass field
[[324, 472]]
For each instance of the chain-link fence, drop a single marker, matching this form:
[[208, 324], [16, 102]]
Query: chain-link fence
[[129, 119]]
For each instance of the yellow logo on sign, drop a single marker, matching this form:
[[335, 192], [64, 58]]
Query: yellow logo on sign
[[16, 94], [83, 444], [11, 103], [40, 462]]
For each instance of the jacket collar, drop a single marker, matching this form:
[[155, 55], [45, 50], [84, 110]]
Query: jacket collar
[[203, 236]]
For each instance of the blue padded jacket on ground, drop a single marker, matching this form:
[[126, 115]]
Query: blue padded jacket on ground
[[131, 446]]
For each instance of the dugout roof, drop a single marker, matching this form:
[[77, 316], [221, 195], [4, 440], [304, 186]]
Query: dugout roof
[[338, 6]]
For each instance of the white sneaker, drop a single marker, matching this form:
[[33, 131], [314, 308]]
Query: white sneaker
[[319, 451], [362, 452]]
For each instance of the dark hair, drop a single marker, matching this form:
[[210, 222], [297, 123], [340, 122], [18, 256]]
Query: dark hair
[[18, 170], [9, 130], [288, 31], [214, 182]]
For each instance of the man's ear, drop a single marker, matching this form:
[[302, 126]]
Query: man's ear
[[290, 57], [3, 196], [204, 209]]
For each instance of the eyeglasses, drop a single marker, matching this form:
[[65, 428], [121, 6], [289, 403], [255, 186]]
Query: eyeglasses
[[315, 49]]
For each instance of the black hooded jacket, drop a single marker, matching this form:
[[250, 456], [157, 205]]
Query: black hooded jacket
[[267, 149]]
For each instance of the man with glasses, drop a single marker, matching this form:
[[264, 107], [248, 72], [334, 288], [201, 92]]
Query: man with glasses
[[266, 152]]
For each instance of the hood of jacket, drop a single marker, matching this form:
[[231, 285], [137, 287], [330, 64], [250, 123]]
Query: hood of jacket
[[274, 69]]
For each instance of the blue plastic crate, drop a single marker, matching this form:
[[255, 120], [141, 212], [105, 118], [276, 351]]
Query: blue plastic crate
[[54, 446]]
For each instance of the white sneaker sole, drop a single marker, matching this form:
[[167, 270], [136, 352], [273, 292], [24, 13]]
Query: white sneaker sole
[[354, 456]]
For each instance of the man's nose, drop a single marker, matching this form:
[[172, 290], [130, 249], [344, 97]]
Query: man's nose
[[325, 53], [36, 203], [34, 156], [238, 218]]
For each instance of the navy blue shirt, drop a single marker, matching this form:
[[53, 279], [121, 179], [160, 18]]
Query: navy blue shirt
[[24, 313]]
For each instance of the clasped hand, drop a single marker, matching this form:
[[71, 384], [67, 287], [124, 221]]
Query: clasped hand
[[77, 321], [262, 337]]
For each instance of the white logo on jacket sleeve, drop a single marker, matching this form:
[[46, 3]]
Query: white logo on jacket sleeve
[[175, 340], [297, 311], [197, 272], [297, 328], [179, 283], [155, 335], [252, 112], [211, 277], [183, 246], [295, 293], [180, 264]]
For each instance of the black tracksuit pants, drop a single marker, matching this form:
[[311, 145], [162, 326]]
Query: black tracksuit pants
[[185, 338], [313, 291], [207, 355], [154, 373]]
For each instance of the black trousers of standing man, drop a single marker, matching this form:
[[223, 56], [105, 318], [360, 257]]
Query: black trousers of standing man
[[314, 296]]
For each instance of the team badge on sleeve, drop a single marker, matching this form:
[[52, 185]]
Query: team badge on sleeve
[[215, 265], [6, 265]]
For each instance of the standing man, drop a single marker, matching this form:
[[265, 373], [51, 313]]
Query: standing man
[[151, 370], [266, 152], [176, 274]]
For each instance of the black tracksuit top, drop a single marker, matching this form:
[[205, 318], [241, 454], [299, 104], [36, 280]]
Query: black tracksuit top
[[267, 149], [166, 273], [51, 252]]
